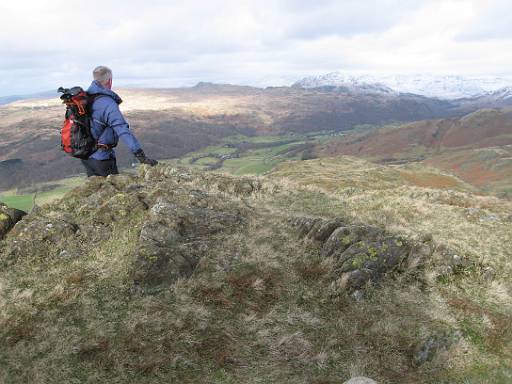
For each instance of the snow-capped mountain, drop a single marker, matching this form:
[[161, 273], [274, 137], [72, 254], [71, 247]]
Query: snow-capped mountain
[[443, 87], [494, 99], [345, 83], [501, 94]]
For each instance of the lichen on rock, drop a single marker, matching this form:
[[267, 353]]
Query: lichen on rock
[[8, 218], [363, 253], [173, 237]]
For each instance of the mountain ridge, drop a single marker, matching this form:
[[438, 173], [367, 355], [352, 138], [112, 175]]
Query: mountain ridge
[[441, 86]]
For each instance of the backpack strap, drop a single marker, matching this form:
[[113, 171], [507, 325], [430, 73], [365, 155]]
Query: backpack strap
[[99, 146], [93, 99]]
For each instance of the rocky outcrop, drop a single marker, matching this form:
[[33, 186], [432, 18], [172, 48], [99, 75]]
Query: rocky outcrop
[[173, 237], [362, 253], [8, 218], [175, 223]]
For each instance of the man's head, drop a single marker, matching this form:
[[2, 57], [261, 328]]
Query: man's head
[[103, 75]]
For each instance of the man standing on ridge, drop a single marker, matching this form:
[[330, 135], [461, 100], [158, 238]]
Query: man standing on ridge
[[108, 125]]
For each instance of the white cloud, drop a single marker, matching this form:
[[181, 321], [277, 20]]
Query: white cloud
[[45, 44]]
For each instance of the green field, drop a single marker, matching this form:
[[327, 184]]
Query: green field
[[25, 201], [250, 165], [250, 161]]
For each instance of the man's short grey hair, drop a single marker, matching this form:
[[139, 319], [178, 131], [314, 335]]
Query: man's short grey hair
[[102, 74]]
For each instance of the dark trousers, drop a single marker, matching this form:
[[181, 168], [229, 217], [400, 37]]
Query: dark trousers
[[100, 167]]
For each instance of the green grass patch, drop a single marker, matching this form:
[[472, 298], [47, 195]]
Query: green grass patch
[[248, 166], [273, 151], [206, 161], [25, 201]]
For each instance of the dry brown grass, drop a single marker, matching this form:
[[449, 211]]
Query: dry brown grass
[[430, 180]]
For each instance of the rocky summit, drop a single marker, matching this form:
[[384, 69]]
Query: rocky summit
[[178, 275]]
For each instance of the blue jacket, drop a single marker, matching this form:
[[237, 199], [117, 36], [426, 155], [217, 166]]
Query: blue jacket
[[108, 122]]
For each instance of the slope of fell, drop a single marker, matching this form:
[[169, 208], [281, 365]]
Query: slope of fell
[[181, 276], [484, 128], [476, 147]]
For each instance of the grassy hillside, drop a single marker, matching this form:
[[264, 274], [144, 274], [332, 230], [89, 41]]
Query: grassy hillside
[[177, 275]]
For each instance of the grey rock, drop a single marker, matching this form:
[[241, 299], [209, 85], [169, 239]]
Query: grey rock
[[354, 280], [432, 345], [345, 236], [488, 274], [122, 182], [172, 241], [363, 253], [454, 260], [360, 380], [377, 256], [163, 235], [339, 240], [305, 225], [443, 271], [448, 260], [358, 295], [426, 238], [121, 206], [323, 229], [69, 254], [245, 187], [365, 262], [489, 218], [156, 264], [419, 255], [65, 255], [38, 236]]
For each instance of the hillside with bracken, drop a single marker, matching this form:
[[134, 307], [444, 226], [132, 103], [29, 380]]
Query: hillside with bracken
[[476, 147]]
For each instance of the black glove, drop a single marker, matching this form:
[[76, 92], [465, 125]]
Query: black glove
[[141, 156]]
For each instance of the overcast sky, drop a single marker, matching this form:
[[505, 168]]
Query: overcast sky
[[45, 44]]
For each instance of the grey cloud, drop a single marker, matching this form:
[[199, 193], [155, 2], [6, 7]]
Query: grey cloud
[[348, 18], [174, 43], [494, 23]]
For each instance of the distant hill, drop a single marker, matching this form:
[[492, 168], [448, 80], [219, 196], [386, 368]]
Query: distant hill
[[10, 99], [483, 128]]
